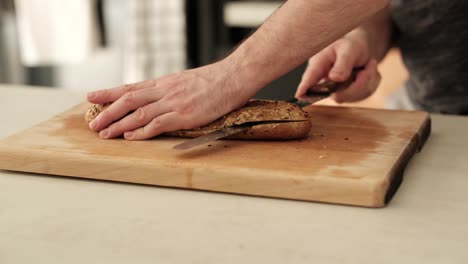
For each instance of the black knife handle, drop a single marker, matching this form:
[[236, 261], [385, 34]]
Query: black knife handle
[[326, 88]]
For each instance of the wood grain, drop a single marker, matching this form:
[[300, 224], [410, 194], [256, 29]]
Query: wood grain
[[352, 156]]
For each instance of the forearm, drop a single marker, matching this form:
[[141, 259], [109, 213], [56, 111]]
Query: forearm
[[297, 31]]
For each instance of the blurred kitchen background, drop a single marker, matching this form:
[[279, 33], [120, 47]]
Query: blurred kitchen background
[[93, 44]]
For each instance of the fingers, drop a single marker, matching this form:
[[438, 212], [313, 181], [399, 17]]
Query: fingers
[[113, 94], [334, 63], [125, 104], [317, 68], [346, 59], [163, 123], [365, 85], [141, 117]]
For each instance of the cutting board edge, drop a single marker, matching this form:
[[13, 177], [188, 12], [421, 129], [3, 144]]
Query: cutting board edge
[[424, 132], [415, 145], [365, 194]]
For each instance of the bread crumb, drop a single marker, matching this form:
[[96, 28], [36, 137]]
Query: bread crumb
[[321, 157]]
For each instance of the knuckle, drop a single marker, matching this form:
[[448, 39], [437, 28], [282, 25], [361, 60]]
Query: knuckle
[[153, 82], [155, 124], [339, 44], [153, 128], [185, 108], [128, 87], [345, 55], [140, 114], [113, 129], [129, 98], [177, 93], [327, 53]]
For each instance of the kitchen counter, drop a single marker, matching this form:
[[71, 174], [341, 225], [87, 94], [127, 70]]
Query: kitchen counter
[[48, 219]]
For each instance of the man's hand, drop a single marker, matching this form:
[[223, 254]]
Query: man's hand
[[179, 101], [336, 62]]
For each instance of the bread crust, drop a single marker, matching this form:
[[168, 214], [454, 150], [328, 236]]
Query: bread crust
[[93, 111], [293, 122]]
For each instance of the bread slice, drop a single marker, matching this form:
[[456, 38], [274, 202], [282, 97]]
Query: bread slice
[[271, 120]]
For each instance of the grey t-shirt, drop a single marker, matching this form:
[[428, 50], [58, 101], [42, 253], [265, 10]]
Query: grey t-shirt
[[433, 38]]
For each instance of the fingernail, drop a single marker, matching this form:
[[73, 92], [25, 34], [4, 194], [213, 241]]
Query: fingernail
[[91, 95], [104, 133], [128, 135], [93, 124]]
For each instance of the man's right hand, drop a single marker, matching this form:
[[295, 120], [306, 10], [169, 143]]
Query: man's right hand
[[336, 62]]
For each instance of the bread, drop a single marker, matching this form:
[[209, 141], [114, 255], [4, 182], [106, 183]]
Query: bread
[[291, 121], [93, 111]]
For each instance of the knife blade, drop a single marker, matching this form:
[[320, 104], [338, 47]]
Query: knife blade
[[224, 132], [212, 136]]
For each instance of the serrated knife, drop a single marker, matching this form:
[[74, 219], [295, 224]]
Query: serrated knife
[[225, 132]]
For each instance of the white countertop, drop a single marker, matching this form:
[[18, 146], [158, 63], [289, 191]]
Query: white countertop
[[46, 219]]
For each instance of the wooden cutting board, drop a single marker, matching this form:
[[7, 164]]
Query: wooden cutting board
[[352, 156]]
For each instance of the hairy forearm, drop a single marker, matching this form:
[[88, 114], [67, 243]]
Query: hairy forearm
[[294, 33]]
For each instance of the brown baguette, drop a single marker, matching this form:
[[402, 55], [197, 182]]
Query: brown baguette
[[293, 122]]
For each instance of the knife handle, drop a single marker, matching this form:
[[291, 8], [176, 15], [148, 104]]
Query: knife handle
[[326, 88]]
